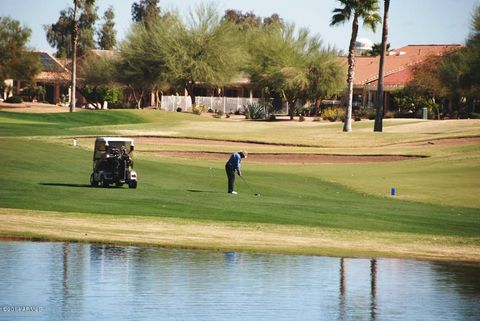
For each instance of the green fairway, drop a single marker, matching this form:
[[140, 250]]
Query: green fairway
[[436, 195]]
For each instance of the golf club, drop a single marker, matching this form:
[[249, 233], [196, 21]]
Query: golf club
[[249, 187]]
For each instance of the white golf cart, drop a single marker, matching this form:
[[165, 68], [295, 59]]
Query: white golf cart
[[113, 162]]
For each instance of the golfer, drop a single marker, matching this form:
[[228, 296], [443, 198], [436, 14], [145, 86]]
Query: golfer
[[233, 165]]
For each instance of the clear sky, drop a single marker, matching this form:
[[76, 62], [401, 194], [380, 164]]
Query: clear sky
[[410, 21]]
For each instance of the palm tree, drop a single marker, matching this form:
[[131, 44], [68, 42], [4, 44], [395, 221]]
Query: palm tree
[[76, 4], [356, 9], [378, 127], [376, 50], [74, 55]]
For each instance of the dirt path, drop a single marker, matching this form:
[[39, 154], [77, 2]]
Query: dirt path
[[180, 233], [303, 158]]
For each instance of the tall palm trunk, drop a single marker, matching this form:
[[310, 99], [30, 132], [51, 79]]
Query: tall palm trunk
[[378, 127], [347, 127], [74, 55]]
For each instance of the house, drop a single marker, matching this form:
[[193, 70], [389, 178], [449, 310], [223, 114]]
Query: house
[[54, 77], [397, 72]]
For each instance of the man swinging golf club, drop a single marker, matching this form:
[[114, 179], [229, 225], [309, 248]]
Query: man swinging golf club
[[233, 165]]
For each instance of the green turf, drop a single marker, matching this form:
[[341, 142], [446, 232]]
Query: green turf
[[41, 171], [48, 176]]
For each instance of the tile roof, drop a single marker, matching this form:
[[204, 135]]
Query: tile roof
[[52, 69], [397, 64]]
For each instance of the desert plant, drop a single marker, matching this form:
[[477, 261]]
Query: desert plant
[[255, 111]]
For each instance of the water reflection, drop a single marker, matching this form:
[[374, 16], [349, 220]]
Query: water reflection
[[95, 282]]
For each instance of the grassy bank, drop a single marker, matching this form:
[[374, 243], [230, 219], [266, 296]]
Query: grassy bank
[[335, 209]]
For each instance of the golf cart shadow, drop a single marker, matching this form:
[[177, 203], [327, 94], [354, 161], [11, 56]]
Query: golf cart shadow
[[66, 185]]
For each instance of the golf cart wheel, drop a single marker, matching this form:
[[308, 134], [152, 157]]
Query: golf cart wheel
[[103, 182], [132, 184], [93, 182]]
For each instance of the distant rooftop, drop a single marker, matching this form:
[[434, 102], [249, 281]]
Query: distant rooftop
[[397, 61]]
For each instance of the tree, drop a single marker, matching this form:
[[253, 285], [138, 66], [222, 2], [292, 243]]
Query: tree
[[355, 10], [106, 35], [249, 20], [86, 24], [376, 50], [244, 21], [59, 34], [16, 61], [202, 50], [71, 36], [96, 73], [144, 57], [378, 126], [460, 70], [292, 64], [145, 11]]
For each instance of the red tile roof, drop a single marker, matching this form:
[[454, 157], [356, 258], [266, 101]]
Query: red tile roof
[[397, 63]]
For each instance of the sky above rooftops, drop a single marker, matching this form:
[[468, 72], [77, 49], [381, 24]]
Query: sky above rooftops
[[410, 21]]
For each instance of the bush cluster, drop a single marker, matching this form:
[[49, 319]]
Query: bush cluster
[[333, 114]]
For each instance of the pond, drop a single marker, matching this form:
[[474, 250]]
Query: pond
[[70, 281]]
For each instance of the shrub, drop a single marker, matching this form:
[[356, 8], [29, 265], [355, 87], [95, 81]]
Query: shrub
[[254, 111], [14, 100], [101, 94], [365, 112], [272, 117], [179, 110], [301, 118], [198, 109], [333, 114], [303, 111], [35, 92]]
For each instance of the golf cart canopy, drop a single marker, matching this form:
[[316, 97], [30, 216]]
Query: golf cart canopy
[[102, 144]]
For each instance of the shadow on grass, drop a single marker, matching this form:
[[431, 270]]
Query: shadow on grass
[[66, 185], [200, 191]]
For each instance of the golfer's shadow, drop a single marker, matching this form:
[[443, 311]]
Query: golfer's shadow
[[66, 185], [200, 191]]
